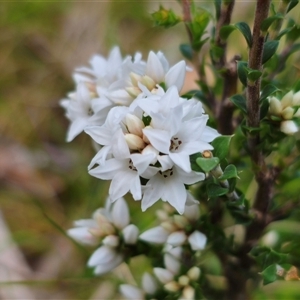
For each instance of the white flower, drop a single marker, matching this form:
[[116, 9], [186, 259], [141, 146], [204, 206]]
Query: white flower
[[84, 110], [156, 235], [131, 292], [169, 186], [105, 228], [197, 240]]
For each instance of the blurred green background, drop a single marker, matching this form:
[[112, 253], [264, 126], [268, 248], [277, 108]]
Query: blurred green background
[[44, 184]]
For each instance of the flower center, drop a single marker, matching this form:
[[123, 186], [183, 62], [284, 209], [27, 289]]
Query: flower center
[[167, 173], [175, 143], [131, 166]]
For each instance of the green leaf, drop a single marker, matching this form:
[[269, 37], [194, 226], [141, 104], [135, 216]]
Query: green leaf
[[269, 50], [229, 172], [268, 22], [283, 32], [242, 71], [294, 33], [193, 162], [207, 164], [165, 18], [226, 30], [269, 274], [221, 146], [186, 50], [218, 8], [246, 31], [264, 108], [197, 27], [240, 102], [253, 75], [291, 5], [214, 190], [268, 90]]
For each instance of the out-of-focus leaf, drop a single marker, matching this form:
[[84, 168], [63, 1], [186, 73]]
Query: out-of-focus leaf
[[268, 22], [291, 5], [246, 31], [269, 50], [218, 8], [226, 30], [186, 50], [214, 190], [268, 90], [240, 102], [242, 71]]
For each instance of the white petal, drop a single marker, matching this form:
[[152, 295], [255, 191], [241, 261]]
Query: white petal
[[120, 213], [163, 275], [108, 171], [156, 235], [288, 127], [108, 266], [142, 161], [176, 75], [197, 240], [153, 192], [171, 263], [100, 134], [166, 162], [174, 251], [181, 160], [100, 157], [209, 134], [190, 178], [131, 292], [176, 238], [82, 235], [75, 128], [159, 139], [119, 146], [135, 187], [154, 68], [104, 254], [149, 284], [192, 212], [130, 234]]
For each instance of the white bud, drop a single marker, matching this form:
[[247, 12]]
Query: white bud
[[148, 82], [287, 99], [134, 142], [176, 238], [192, 212], [194, 273], [288, 127], [120, 213], [150, 149], [157, 235], [288, 113], [149, 284], [188, 293], [172, 286], [168, 226], [161, 214], [174, 251], [197, 240], [133, 91], [134, 125], [275, 106], [163, 275], [111, 240], [130, 234], [183, 280], [180, 221], [135, 78], [296, 99], [270, 239], [131, 292], [171, 263]]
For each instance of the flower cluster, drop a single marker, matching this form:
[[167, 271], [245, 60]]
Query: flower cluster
[[175, 230], [145, 131], [285, 111], [110, 229]]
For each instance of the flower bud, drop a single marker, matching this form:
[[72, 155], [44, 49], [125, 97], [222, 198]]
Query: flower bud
[[131, 292], [168, 226], [188, 293], [134, 142], [197, 240], [130, 234], [150, 149], [171, 263], [288, 113], [163, 275], [156, 235], [194, 273], [287, 99], [296, 99], [133, 91], [161, 214], [135, 78], [149, 284], [176, 238], [183, 280], [172, 286], [111, 240], [288, 127], [148, 82], [180, 221], [275, 106], [134, 125]]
